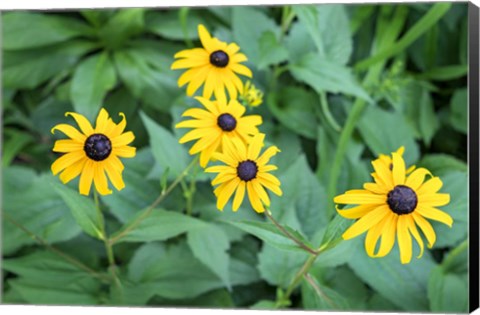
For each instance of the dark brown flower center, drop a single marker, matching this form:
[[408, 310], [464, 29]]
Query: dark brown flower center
[[226, 122], [402, 200], [219, 59], [97, 147], [247, 170]]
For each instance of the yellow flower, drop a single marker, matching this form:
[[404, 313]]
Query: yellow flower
[[394, 206], [219, 120], [245, 170], [93, 153], [216, 64], [251, 96]]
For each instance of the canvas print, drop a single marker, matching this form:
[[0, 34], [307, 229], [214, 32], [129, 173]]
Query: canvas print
[[256, 157]]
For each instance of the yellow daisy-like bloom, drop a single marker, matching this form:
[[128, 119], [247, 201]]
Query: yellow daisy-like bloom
[[217, 64], [393, 206], [245, 170], [251, 96], [93, 153], [219, 120]]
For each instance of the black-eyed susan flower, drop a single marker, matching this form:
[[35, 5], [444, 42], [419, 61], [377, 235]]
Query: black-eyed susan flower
[[216, 64], [245, 170], [93, 153], [251, 96], [218, 120], [393, 207]]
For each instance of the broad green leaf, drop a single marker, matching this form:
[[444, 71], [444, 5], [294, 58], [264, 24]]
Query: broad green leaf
[[459, 110], [446, 73], [38, 208], [448, 292], [334, 231], [174, 273], [270, 234], [455, 184], [403, 285], [379, 303], [264, 305], [167, 24], [249, 24], [156, 87], [210, 244], [160, 225], [294, 107], [319, 21], [123, 25], [13, 144], [324, 75], [30, 68], [316, 296], [165, 148], [278, 267], [91, 81], [271, 51], [25, 30], [440, 164], [302, 205], [83, 210], [375, 126], [299, 42]]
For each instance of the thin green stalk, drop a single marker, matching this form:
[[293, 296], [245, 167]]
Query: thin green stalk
[[437, 11], [157, 201], [328, 115], [58, 252], [182, 15], [288, 234]]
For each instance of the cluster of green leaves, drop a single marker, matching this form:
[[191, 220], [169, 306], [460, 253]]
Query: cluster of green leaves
[[399, 70]]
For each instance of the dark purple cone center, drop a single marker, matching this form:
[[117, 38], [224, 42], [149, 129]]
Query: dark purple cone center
[[219, 59], [97, 147], [226, 122], [402, 200], [247, 170]]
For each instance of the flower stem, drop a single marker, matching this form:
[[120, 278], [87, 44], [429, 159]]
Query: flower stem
[[58, 252], [289, 235], [157, 201]]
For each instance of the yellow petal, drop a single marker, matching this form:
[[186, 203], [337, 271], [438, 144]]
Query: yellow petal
[[413, 229], [398, 169], [255, 146], [66, 160], [100, 179], [86, 178], [430, 187], [260, 191], [120, 127], [72, 171], [207, 153], [267, 155], [125, 151], [115, 176], [205, 38], [82, 122], [200, 114], [239, 195], [360, 198], [102, 121], [376, 188], [70, 132], [226, 192], [416, 179], [222, 178], [404, 240], [220, 169], [366, 222], [434, 214], [383, 174], [65, 146], [197, 134], [426, 228], [270, 186], [433, 200], [388, 236], [123, 139], [254, 198], [356, 212], [241, 69]]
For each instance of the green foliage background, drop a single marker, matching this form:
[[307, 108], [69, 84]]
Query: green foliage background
[[401, 69]]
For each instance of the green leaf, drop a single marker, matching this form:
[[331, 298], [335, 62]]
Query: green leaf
[[13, 144], [294, 108], [440, 164], [455, 184], [270, 234], [30, 68], [165, 147], [271, 51], [375, 126], [459, 110], [166, 24], [45, 278], [334, 231], [446, 73], [210, 244], [25, 30], [316, 296], [38, 208], [124, 24], [403, 285], [264, 305], [158, 226], [83, 210], [156, 87], [326, 76], [319, 21], [278, 267], [91, 81], [448, 293], [248, 25]]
